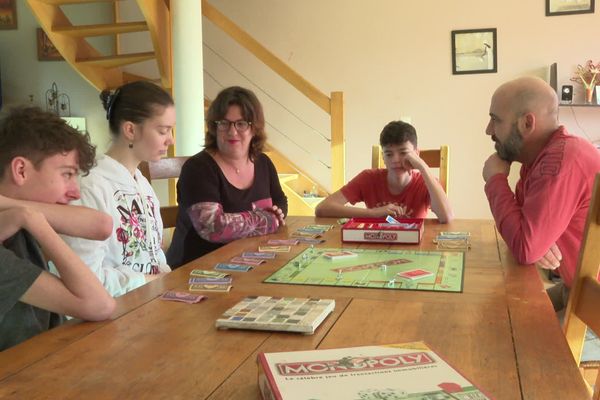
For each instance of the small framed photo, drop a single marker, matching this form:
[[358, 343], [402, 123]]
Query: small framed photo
[[566, 7], [8, 14], [45, 49], [474, 51]]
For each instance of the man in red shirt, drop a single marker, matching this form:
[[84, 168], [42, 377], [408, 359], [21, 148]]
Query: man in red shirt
[[542, 222], [404, 189]]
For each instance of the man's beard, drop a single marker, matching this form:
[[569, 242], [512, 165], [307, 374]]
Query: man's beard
[[511, 148]]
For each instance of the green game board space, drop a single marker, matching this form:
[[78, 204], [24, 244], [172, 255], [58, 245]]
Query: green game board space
[[311, 268]]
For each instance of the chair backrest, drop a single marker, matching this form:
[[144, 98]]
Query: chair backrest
[[165, 168], [584, 300], [437, 158]]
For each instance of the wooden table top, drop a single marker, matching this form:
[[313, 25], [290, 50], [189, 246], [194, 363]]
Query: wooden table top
[[500, 332]]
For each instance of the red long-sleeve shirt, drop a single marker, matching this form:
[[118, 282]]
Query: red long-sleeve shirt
[[550, 202]]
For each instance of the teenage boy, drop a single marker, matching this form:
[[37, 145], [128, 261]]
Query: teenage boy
[[40, 158], [404, 189]]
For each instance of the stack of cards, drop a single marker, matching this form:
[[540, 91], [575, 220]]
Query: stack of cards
[[414, 274], [275, 249], [311, 232], [209, 281], [453, 240], [307, 240], [233, 267], [184, 297], [339, 255], [283, 242]]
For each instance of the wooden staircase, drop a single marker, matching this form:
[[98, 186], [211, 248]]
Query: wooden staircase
[[303, 193], [107, 71], [101, 70]]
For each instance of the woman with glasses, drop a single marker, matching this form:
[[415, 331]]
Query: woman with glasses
[[230, 190], [141, 117]]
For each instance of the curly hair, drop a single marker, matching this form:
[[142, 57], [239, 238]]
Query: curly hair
[[36, 135], [134, 102], [252, 111]]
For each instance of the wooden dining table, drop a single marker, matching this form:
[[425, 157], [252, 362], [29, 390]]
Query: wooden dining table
[[500, 331]]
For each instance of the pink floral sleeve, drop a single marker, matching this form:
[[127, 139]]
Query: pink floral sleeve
[[214, 225]]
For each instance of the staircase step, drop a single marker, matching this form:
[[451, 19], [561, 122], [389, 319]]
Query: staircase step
[[312, 201], [101, 29], [64, 2], [117, 60], [283, 178]]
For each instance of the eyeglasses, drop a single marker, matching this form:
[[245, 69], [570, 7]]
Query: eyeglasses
[[224, 125]]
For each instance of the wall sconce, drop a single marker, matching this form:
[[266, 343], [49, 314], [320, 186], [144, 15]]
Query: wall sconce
[[58, 103]]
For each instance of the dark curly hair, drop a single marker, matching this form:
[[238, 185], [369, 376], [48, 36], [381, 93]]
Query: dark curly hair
[[36, 135], [134, 102], [398, 132], [252, 111]]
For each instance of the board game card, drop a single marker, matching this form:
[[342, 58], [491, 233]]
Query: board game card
[[232, 267], [275, 249], [415, 274], [182, 297], [218, 281], [247, 261], [455, 233], [283, 242], [339, 255], [300, 234], [209, 288], [258, 254], [453, 244], [205, 273], [391, 220], [322, 227], [306, 240]]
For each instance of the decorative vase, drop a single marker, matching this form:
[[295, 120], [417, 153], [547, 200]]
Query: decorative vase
[[589, 94], [597, 97]]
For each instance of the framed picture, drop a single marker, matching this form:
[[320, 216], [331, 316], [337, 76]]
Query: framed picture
[[565, 7], [8, 14], [45, 49], [474, 51]]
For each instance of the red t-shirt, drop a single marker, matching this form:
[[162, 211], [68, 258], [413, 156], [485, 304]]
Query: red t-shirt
[[550, 203], [371, 186]]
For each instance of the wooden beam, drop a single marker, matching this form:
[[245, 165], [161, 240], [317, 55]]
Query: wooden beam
[[116, 60], [65, 2], [158, 17], [101, 29], [260, 52], [338, 142]]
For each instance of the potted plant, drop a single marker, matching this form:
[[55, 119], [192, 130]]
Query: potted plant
[[588, 76]]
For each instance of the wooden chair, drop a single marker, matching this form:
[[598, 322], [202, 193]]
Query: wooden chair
[[583, 310], [434, 158], [165, 168]]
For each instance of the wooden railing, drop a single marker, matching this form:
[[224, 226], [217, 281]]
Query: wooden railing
[[332, 105]]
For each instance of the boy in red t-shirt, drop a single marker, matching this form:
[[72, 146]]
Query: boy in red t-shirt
[[404, 189]]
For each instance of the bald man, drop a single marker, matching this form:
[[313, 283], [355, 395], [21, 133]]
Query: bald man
[[542, 222]]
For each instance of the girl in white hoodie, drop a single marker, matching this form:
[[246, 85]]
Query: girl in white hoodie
[[141, 118]]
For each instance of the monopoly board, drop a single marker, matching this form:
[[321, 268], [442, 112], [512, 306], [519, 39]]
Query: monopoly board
[[386, 269]]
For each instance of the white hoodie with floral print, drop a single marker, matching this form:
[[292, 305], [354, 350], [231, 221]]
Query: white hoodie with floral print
[[134, 248]]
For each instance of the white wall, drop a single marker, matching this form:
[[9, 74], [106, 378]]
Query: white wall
[[23, 75], [392, 58]]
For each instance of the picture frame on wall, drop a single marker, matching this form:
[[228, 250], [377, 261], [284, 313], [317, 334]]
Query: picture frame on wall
[[567, 7], [45, 49], [8, 14], [474, 51]]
